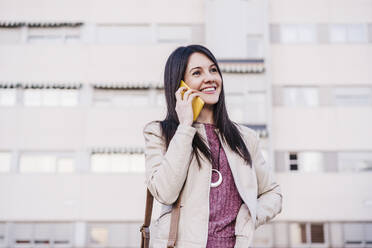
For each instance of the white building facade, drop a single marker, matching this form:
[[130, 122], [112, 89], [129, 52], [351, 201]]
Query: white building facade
[[80, 79]]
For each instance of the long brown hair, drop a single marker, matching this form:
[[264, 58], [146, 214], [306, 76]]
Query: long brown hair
[[174, 72]]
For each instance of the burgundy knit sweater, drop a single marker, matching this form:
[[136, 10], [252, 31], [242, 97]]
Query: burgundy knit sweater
[[224, 200]]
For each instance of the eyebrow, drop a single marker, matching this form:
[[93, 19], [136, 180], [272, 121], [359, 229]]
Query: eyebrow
[[200, 67]]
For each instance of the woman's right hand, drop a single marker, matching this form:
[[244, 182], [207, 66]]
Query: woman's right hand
[[184, 106]]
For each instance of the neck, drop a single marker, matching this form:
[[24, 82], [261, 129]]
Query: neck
[[206, 114]]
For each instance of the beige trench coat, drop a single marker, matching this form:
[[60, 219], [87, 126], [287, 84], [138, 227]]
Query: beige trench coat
[[167, 170]]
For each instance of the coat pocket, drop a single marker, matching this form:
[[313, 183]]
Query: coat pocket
[[244, 225]]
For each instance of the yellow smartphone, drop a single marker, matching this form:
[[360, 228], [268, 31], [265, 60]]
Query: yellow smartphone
[[197, 102]]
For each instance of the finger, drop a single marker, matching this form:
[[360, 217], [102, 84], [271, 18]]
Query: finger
[[178, 93], [181, 89], [192, 96], [187, 94]]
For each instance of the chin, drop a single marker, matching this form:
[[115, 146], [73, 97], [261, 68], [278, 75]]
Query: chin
[[210, 102]]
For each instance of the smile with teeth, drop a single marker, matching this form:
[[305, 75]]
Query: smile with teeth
[[209, 90]]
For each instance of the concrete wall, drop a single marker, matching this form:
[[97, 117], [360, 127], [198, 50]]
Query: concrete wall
[[63, 63], [325, 197], [50, 129], [77, 197], [120, 197], [334, 11], [323, 128], [111, 11], [321, 64]]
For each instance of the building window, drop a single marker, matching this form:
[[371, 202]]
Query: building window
[[306, 161], [348, 33], [349, 96], [310, 161], [5, 160], [50, 97], [63, 235], [10, 35], [307, 234], [289, 33], [306, 33], [368, 234], [160, 99], [23, 234], [253, 102], [255, 106], [275, 36], [113, 234], [118, 162], [121, 97], [3, 234], [293, 161], [338, 33], [352, 96], [317, 233], [357, 33], [358, 234], [32, 97], [53, 35], [46, 163], [117, 34], [174, 34], [354, 161], [235, 106], [179, 34], [298, 233], [98, 236], [301, 96], [298, 33], [8, 96], [43, 235], [320, 33]]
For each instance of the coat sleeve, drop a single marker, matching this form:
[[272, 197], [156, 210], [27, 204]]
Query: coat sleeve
[[269, 197], [166, 171]]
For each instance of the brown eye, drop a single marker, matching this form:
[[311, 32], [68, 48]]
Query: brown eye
[[195, 73]]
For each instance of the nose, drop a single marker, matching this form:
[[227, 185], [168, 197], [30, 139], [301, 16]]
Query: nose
[[209, 77]]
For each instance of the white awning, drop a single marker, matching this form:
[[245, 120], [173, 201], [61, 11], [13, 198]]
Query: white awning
[[127, 85], [41, 85], [15, 24], [126, 150], [50, 85], [242, 65], [7, 85]]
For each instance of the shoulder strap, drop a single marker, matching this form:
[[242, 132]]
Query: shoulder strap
[[174, 224], [145, 230]]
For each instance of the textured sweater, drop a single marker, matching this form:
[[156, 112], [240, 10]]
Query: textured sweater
[[224, 200]]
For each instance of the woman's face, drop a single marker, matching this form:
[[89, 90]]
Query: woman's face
[[201, 74]]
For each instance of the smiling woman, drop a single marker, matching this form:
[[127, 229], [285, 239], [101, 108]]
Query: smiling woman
[[205, 81], [209, 172]]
